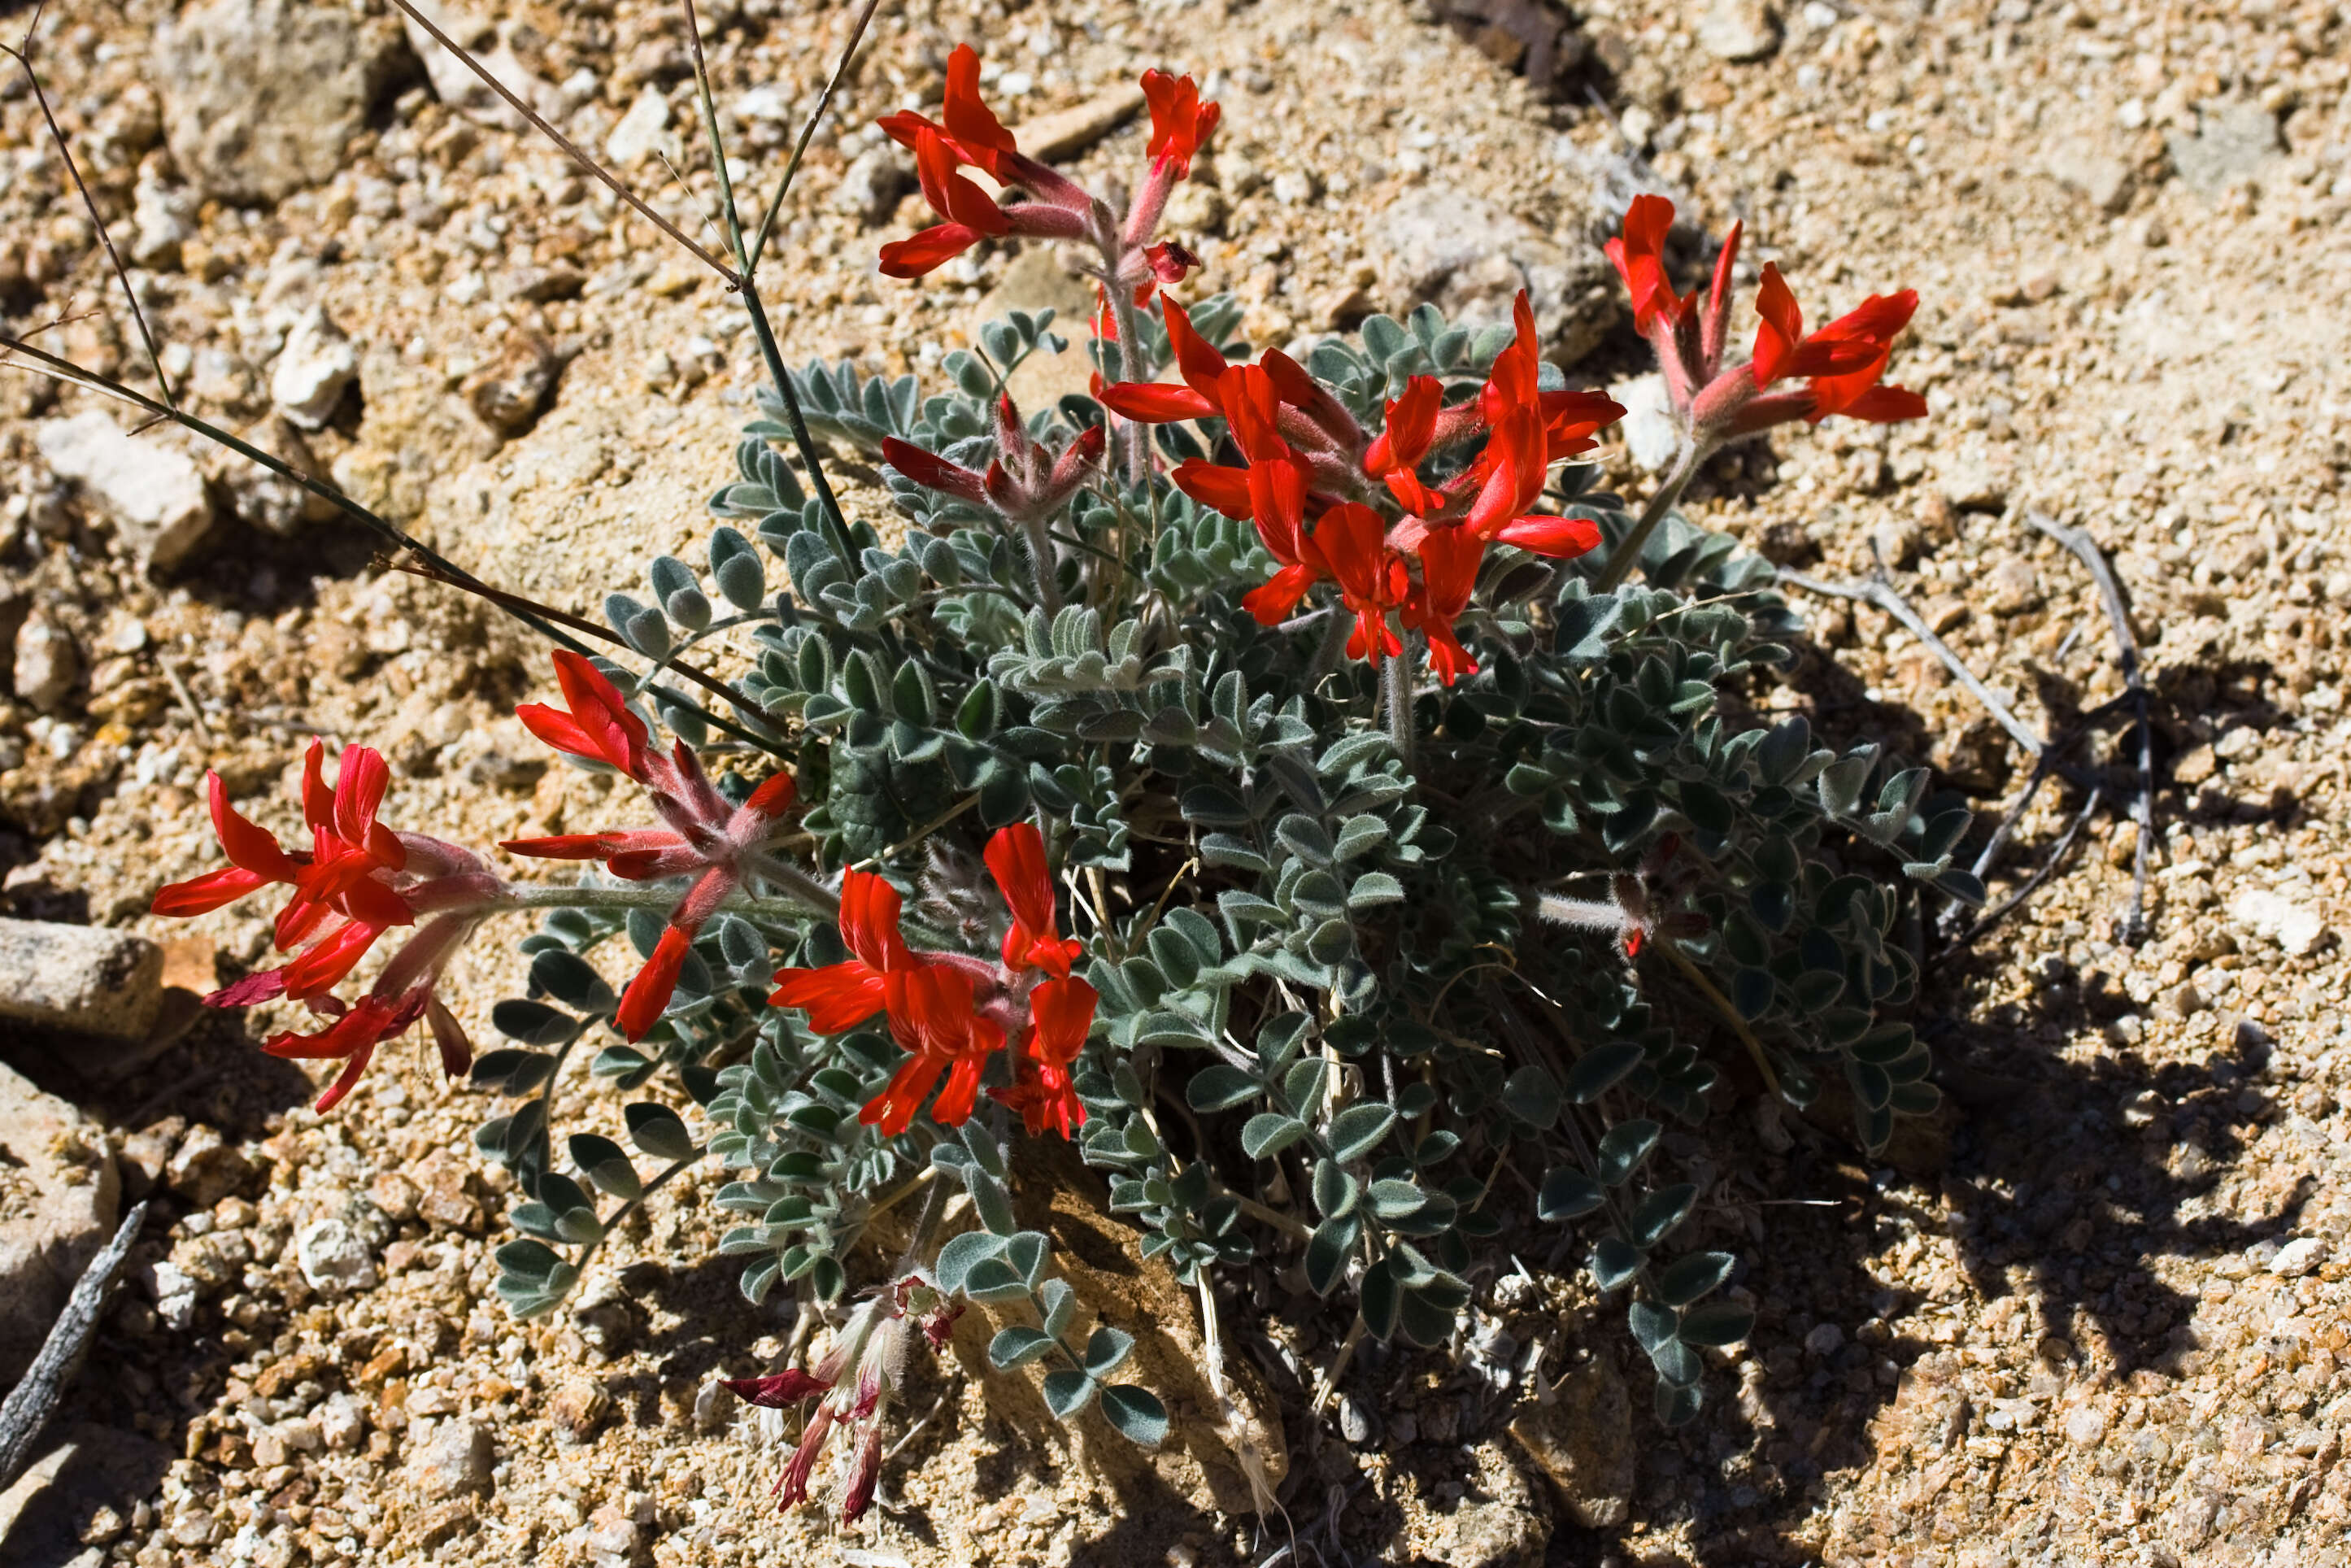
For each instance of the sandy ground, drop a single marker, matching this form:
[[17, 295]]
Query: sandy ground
[[2094, 1314]]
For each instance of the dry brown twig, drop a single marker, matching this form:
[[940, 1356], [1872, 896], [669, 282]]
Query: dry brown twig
[[2079, 543]]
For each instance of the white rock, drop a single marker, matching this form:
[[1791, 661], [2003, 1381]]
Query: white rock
[[457, 1459], [175, 1294], [455, 82], [153, 494], [342, 1423], [2299, 1257], [161, 220], [1648, 428], [312, 374], [334, 1258], [2294, 928], [871, 185], [642, 132], [2085, 1425], [1738, 30], [1825, 1339], [46, 663]]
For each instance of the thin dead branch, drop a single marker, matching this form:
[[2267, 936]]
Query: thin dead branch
[[1885, 597], [611, 179], [2079, 543], [34, 1400], [114, 259], [2064, 847]]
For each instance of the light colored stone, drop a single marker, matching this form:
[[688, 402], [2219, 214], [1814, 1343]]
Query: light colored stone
[[642, 132], [260, 96], [1738, 30], [2299, 1257], [80, 979], [457, 84], [153, 494], [334, 1258], [1649, 427], [2077, 163], [342, 1423], [613, 1537], [46, 663], [162, 220], [1580, 1435], [2233, 141], [1826, 1339], [1470, 258], [871, 185], [455, 1460], [1034, 282], [2086, 1426], [1068, 131], [313, 370], [206, 1167], [59, 1193], [1194, 208], [2296, 928], [508, 394]]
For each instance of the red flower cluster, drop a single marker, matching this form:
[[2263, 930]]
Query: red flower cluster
[[1842, 364], [1026, 482], [725, 844], [952, 1011], [1313, 480], [967, 135], [358, 879]]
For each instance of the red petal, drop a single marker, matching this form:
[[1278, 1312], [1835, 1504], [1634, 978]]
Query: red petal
[[1561, 538], [1157, 402], [202, 894], [780, 1391], [649, 993], [1222, 489], [1781, 328], [923, 252], [837, 997]]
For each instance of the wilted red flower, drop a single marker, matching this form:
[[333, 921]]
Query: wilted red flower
[[1026, 482], [724, 846], [853, 1385]]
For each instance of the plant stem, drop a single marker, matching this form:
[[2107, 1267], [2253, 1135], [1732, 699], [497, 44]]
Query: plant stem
[[1627, 553], [1722, 1004], [813, 899], [1395, 689]]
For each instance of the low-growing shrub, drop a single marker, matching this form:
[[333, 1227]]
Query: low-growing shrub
[[1291, 780]]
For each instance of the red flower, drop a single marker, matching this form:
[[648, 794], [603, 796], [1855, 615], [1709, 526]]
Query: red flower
[[1351, 539], [1843, 363], [1016, 859], [599, 727], [358, 879], [951, 1011], [1448, 570], [723, 845], [1180, 123], [1196, 360], [1843, 360], [839, 996], [1061, 1014], [972, 130]]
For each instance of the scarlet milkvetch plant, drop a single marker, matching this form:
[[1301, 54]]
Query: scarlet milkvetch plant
[[1284, 776]]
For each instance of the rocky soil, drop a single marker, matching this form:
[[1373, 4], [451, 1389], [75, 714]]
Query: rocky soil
[[2095, 1314]]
